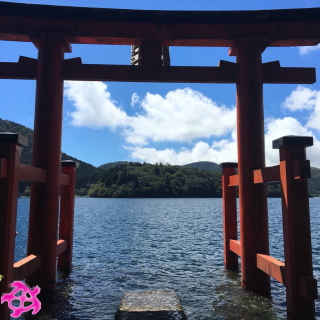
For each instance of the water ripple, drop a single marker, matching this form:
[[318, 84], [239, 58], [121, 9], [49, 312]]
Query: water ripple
[[159, 244]]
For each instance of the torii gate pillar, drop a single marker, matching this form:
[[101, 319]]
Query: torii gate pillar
[[44, 201], [251, 155]]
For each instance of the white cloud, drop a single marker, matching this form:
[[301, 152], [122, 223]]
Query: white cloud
[[182, 115], [303, 98], [277, 128], [307, 49], [313, 153], [314, 119], [226, 150], [134, 99], [218, 152], [94, 106]]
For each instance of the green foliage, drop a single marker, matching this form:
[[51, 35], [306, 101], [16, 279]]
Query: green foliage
[[314, 182], [1, 277], [86, 173], [156, 181], [161, 181], [134, 179], [27, 191], [82, 192], [274, 190], [204, 165], [109, 165]]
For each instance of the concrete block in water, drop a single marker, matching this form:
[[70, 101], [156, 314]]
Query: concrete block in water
[[143, 305]]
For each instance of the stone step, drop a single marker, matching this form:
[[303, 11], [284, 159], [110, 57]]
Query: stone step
[[145, 305]]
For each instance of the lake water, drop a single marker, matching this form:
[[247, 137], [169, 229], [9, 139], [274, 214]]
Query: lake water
[[166, 244]]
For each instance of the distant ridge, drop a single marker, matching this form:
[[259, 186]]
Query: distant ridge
[[204, 165], [109, 165], [201, 165], [86, 173]]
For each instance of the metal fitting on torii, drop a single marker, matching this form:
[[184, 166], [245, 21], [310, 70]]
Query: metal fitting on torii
[[150, 53]]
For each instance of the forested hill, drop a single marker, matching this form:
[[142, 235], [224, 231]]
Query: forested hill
[[204, 165], [86, 173], [9, 126], [314, 182], [134, 179], [146, 180], [201, 165], [109, 165]]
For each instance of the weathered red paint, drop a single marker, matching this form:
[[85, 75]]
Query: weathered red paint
[[233, 180], [290, 27], [271, 266], [229, 209], [26, 266], [30, 264], [67, 213], [62, 246], [64, 179], [30, 173], [267, 174], [235, 246], [296, 228], [44, 201], [251, 156], [226, 72], [8, 214], [3, 168]]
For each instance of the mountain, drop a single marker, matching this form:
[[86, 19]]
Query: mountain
[[201, 165], [153, 178], [26, 151], [314, 182], [273, 188], [144, 180], [204, 165], [86, 173], [109, 165]]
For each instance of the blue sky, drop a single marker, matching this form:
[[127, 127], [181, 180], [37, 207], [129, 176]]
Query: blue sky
[[168, 123]]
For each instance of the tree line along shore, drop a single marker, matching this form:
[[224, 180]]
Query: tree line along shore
[[123, 179]]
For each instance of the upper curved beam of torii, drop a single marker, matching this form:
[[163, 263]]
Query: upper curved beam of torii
[[285, 27]]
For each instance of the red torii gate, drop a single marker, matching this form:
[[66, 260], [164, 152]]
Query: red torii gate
[[248, 33]]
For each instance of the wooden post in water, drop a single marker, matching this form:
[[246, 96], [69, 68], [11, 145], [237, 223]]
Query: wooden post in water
[[44, 201], [251, 155], [67, 214], [229, 209], [10, 151], [301, 287]]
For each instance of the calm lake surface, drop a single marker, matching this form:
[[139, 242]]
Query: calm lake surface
[[160, 244]]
